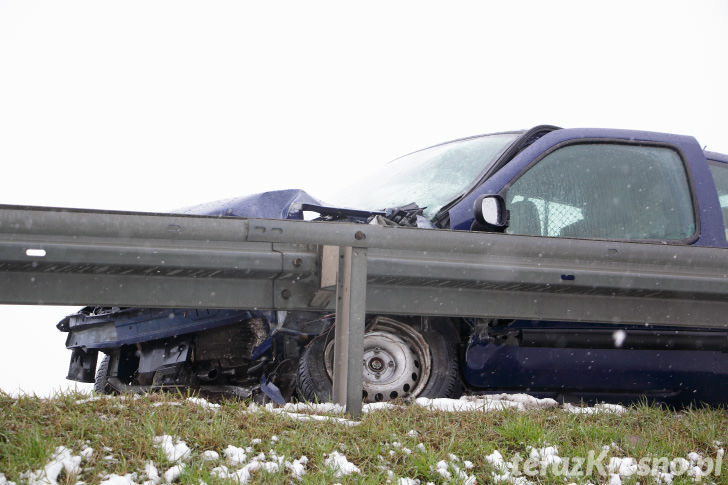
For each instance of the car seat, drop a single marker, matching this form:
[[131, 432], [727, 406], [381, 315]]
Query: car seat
[[524, 219]]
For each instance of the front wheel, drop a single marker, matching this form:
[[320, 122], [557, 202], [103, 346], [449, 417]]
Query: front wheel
[[398, 362], [101, 384]]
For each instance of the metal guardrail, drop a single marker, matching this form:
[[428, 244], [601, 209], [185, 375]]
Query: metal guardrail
[[86, 257]]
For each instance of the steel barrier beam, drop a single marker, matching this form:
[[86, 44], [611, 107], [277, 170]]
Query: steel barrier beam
[[61, 256]]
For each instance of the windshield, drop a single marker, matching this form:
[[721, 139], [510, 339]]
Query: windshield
[[430, 178]]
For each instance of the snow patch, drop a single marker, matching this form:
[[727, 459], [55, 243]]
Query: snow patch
[[210, 455], [115, 479], [546, 456], [234, 455], [297, 467], [174, 473], [495, 402], [317, 417], [321, 408], [203, 403], [442, 469], [596, 409], [61, 460], [340, 465], [151, 472], [624, 467], [379, 406], [174, 449]]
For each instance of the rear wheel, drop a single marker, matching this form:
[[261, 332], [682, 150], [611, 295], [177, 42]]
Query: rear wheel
[[398, 362]]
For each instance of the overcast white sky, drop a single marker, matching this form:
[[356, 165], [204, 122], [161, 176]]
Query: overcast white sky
[[157, 105]]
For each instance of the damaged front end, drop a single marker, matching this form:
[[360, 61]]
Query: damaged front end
[[247, 354]]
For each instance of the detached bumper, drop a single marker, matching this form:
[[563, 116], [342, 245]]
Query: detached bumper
[[119, 327]]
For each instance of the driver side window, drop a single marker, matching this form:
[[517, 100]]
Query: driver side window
[[604, 191]]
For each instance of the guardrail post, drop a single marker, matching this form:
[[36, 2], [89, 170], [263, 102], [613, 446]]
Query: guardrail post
[[351, 286]]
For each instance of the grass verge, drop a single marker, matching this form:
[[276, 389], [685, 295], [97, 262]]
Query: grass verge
[[118, 438]]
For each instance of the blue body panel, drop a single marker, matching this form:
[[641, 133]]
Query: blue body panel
[[278, 204], [671, 376], [718, 157]]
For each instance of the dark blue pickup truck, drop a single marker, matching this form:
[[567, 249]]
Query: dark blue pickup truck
[[621, 185]]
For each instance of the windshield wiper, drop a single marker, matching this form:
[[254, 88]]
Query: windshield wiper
[[405, 215]]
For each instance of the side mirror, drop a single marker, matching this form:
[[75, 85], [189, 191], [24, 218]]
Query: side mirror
[[490, 213]]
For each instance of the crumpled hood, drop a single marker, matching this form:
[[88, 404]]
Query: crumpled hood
[[265, 205]]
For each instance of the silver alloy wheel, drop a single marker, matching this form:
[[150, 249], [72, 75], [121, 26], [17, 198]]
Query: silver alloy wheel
[[397, 361]]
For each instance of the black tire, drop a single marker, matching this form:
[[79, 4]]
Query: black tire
[[314, 384], [445, 376], [101, 385], [314, 378]]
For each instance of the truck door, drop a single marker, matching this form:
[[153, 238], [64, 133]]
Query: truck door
[[600, 190], [608, 184]]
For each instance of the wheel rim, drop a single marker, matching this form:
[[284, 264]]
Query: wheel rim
[[396, 361]]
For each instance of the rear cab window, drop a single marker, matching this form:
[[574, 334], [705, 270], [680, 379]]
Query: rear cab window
[[605, 190]]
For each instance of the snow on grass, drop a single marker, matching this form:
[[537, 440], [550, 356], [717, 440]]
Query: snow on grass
[[597, 408], [151, 472], [494, 402], [378, 406], [303, 411], [174, 449], [546, 456], [316, 417], [486, 403], [61, 460], [210, 455], [546, 461], [452, 470], [340, 465], [319, 408], [242, 465], [93, 398], [234, 455], [161, 404], [204, 403], [174, 473], [110, 397], [272, 464], [114, 479], [297, 467]]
